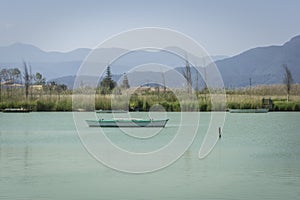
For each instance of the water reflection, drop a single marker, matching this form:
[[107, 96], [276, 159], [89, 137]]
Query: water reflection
[[1, 143], [26, 150], [33, 162], [188, 162], [26, 158]]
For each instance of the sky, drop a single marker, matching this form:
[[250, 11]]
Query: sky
[[222, 27]]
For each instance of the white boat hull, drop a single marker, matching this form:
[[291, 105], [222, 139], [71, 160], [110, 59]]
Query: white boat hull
[[259, 110], [127, 123]]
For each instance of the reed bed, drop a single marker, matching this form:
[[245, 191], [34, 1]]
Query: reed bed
[[243, 98]]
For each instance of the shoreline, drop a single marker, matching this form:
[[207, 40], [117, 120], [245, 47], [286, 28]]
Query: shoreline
[[71, 111]]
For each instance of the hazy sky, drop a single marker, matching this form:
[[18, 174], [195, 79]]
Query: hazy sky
[[224, 27]]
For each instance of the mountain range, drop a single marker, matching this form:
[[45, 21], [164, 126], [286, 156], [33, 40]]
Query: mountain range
[[263, 65]]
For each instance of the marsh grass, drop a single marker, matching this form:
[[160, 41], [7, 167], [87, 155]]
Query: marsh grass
[[243, 98]]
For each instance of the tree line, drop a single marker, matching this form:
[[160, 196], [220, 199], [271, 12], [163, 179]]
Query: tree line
[[107, 84], [19, 84], [17, 90]]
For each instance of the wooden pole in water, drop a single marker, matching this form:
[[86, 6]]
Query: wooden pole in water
[[220, 131]]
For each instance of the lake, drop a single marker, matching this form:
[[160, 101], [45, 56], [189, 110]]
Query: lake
[[258, 157]]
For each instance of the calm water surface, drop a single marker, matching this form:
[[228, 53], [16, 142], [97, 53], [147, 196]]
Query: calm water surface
[[258, 157]]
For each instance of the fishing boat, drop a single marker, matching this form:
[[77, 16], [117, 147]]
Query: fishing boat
[[258, 110], [127, 122], [16, 110], [111, 111]]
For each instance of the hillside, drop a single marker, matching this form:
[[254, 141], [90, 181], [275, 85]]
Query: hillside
[[262, 64]]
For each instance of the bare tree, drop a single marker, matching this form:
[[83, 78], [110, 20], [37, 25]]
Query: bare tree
[[4, 77], [27, 79], [125, 84], [205, 88], [164, 81], [288, 81], [15, 78], [30, 81], [197, 81], [188, 76], [0, 88]]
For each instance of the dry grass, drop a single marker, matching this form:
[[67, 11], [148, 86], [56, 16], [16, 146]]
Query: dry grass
[[242, 98]]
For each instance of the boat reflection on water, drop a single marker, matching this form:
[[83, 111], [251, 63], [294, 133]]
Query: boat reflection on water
[[127, 122]]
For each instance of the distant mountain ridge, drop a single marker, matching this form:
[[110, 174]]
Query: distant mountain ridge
[[50, 64], [55, 64], [18, 51], [263, 65]]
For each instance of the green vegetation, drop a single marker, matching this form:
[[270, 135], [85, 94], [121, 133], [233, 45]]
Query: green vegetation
[[26, 90], [107, 84], [49, 98], [37, 94]]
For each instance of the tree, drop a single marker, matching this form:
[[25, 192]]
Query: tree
[[125, 84], [164, 81], [27, 79], [197, 82], [39, 79], [107, 84], [52, 87], [287, 80], [188, 76], [15, 74], [205, 88], [4, 74], [31, 76], [4, 77], [10, 77], [0, 88], [60, 88]]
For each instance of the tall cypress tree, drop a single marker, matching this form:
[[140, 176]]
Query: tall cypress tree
[[27, 79], [107, 84]]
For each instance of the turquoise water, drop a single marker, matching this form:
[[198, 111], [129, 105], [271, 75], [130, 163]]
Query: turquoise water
[[258, 157]]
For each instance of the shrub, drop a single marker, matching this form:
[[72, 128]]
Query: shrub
[[45, 106], [233, 105], [297, 107], [203, 106], [63, 105], [286, 106]]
